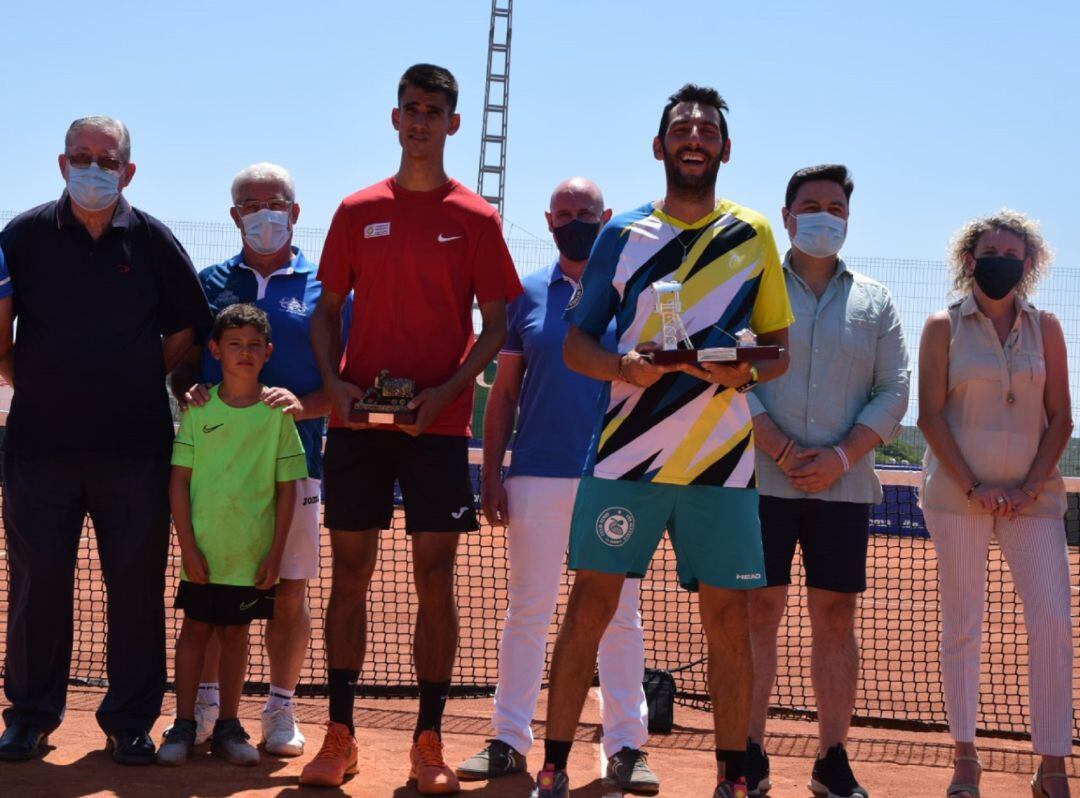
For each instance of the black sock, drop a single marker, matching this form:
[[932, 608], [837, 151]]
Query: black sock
[[342, 692], [734, 763], [556, 752], [432, 701]]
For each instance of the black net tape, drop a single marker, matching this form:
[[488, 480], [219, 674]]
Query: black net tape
[[898, 626]]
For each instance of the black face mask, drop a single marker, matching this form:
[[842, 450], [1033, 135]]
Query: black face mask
[[996, 277], [575, 239]]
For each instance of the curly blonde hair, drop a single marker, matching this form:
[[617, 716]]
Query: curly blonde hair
[[967, 237]]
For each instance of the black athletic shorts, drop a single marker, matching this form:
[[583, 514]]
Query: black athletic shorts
[[224, 605], [832, 535], [361, 465]]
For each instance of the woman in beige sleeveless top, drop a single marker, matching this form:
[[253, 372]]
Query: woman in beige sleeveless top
[[994, 407]]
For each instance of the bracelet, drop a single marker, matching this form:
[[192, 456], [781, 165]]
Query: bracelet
[[843, 458], [1029, 492], [785, 451], [974, 487]]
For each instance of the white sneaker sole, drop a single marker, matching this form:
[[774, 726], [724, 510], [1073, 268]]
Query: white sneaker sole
[[284, 749], [763, 787]]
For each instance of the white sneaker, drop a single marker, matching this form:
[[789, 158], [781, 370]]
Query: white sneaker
[[281, 735], [206, 715]]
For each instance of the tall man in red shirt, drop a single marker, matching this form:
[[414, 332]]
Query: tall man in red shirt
[[414, 249]]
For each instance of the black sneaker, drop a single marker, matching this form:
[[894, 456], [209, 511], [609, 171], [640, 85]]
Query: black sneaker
[[629, 768], [551, 783], [497, 759], [757, 770], [832, 777], [731, 789]]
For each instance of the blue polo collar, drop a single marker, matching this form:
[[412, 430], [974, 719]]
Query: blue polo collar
[[65, 216]]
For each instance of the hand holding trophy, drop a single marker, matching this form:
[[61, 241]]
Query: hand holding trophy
[[385, 402]]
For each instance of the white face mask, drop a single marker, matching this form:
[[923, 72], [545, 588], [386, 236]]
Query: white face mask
[[819, 234], [266, 231]]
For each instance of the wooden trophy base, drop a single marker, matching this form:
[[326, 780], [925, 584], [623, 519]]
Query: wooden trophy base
[[715, 354]]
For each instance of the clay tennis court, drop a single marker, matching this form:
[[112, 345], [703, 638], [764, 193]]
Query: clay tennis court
[[900, 685]]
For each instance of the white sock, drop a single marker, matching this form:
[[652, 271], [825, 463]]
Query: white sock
[[279, 698], [209, 693]]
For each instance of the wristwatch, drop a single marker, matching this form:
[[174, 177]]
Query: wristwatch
[[747, 386]]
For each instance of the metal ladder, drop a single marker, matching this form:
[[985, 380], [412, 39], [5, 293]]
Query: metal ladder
[[491, 180]]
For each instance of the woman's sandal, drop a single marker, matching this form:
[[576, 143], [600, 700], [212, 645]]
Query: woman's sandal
[[956, 788], [1037, 790]]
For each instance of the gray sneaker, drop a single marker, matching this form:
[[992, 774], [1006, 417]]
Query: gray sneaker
[[230, 742], [497, 759], [551, 783], [629, 768], [177, 744]]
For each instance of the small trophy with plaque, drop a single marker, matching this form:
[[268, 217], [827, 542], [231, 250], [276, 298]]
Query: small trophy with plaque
[[385, 402], [675, 344]]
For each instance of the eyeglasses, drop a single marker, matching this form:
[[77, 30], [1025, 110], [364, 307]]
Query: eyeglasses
[[82, 160], [249, 207]]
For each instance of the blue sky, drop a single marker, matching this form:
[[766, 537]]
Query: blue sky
[[942, 110]]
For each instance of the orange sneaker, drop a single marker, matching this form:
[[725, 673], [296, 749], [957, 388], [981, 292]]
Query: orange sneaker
[[432, 775], [335, 760]]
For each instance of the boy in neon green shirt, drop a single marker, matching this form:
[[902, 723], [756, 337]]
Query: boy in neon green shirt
[[232, 491]]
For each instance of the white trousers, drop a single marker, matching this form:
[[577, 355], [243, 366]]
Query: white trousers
[[1035, 550], [540, 509]]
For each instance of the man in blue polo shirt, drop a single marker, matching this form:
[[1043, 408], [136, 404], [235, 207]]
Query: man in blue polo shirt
[[275, 276], [557, 411], [107, 303]]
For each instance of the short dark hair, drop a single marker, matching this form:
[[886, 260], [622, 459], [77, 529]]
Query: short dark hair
[[429, 77], [240, 315], [702, 95], [833, 172]]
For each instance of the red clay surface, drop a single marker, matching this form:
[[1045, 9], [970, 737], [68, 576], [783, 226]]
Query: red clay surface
[[891, 764]]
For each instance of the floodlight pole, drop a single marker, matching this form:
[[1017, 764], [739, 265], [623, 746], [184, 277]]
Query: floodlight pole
[[491, 180]]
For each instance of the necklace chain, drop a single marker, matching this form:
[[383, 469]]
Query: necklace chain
[[675, 236]]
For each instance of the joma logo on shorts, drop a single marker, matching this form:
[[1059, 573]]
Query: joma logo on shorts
[[748, 576], [309, 500]]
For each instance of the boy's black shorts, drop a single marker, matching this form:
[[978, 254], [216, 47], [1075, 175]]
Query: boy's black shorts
[[224, 605], [361, 465], [833, 537]]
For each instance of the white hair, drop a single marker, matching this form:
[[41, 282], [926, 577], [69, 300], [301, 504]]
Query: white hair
[[264, 173], [123, 138]]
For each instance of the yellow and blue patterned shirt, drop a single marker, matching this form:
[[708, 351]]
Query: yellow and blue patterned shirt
[[681, 430]]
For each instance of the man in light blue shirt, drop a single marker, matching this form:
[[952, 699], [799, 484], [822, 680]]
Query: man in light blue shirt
[[276, 277], [557, 412], [816, 429]]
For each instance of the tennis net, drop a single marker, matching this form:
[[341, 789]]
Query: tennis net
[[898, 624]]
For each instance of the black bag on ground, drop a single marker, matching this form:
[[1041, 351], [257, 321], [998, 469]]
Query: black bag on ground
[[660, 696]]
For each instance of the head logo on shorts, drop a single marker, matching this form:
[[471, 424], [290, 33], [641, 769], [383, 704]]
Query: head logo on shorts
[[614, 526]]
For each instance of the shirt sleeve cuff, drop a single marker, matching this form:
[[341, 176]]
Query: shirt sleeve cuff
[[880, 421], [756, 407]]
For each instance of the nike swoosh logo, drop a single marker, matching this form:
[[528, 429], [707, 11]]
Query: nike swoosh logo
[[443, 239], [211, 429], [247, 605], [459, 513]]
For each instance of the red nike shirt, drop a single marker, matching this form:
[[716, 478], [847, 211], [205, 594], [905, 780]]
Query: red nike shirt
[[414, 260]]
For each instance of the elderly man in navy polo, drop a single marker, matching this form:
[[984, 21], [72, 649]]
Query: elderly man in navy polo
[[107, 303], [274, 275], [555, 425]]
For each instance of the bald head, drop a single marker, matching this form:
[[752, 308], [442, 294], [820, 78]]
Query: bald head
[[578, 191], [576, 199]]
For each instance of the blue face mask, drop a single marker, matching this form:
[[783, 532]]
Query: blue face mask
[[93, 188], [819, 234]]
